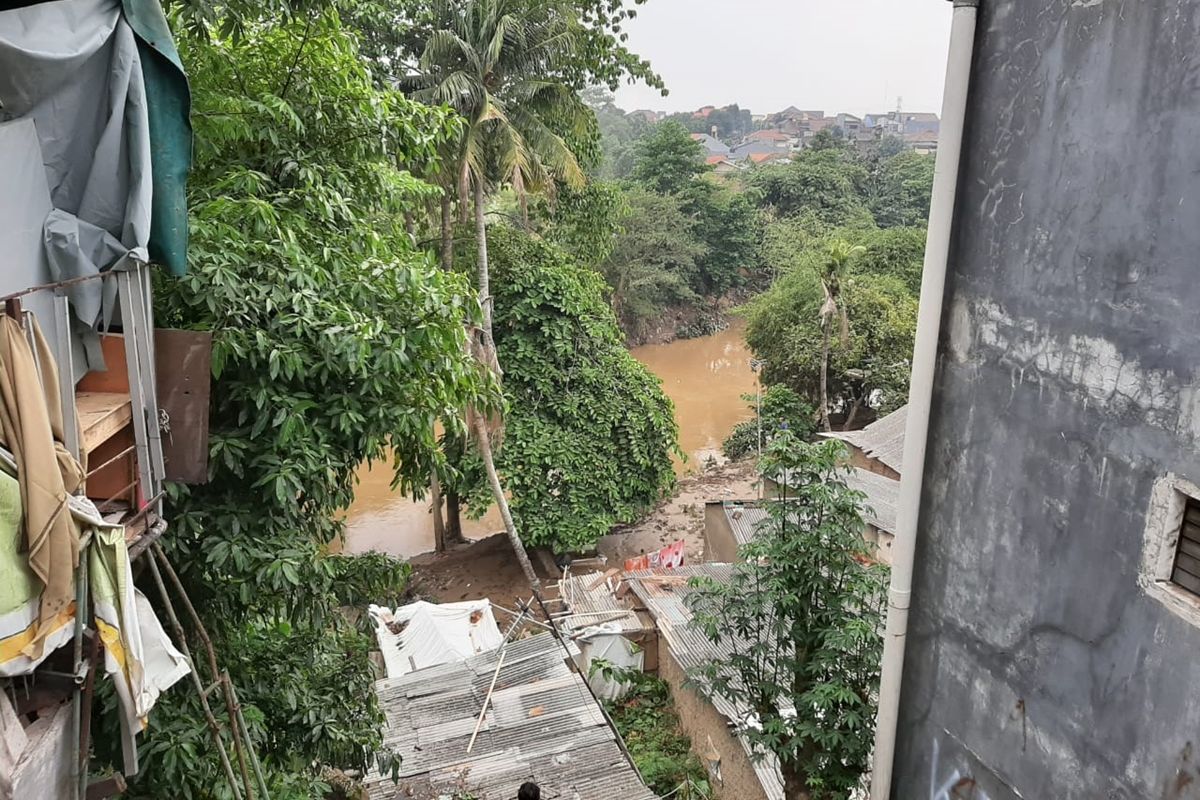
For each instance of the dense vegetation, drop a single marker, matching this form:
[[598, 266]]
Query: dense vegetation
[[801, 616], [649, 725], [589, 433]]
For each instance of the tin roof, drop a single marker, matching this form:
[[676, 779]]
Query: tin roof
[[883, 496], [882, 440], [664, 593], [591, 602], [541, 725], [743, 520]]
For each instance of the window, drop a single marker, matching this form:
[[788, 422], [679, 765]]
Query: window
[[1185, 572]]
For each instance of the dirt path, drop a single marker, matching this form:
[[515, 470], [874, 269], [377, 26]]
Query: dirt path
[[488, 569]]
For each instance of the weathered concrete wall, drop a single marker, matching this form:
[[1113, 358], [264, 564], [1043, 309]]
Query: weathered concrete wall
[[720, 546], [1038, 666], [709, 732]]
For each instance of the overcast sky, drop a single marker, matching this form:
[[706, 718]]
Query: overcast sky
[[830, 55]]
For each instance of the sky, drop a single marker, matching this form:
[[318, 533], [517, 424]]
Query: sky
[[832, 55]]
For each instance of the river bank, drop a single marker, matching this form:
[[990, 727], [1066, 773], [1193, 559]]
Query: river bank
[[487, 568]]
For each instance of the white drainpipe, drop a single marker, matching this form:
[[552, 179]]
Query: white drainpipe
[[920, 393]]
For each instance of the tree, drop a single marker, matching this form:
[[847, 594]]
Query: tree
[[801, 618], [653, 263], [868, 368], [901, 187], [826, 183], [668, 160], [334, 341], [589, 432], [728, 226], [781, 410], [832, 274]]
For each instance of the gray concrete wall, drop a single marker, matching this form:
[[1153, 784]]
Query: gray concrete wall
[[1039, 666]]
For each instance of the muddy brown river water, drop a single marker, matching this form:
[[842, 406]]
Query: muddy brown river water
[[705, 377]]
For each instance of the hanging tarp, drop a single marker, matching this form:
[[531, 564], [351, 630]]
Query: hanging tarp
[[421, 634], [103, 84]]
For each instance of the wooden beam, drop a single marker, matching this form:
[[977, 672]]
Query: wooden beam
[[111, 786]]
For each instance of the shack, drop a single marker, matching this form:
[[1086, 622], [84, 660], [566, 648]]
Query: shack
[[738, 772], [541, 724]]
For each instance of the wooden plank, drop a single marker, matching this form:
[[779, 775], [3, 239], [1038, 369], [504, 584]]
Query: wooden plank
[[183, 374], [101, 416], [1188, 564], [608, 573], [1191, 532], [1186, 581]]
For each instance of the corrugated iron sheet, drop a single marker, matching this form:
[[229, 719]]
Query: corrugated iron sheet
[[883, 497], [692, 649], [541, 725], [882, 440], [592, 606]]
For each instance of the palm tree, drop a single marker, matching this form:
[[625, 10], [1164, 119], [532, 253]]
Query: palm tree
[[833, 272], [494, 62]]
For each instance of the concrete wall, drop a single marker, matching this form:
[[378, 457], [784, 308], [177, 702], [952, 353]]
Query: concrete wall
[[709, 731], [1039, 665], [720, 546]]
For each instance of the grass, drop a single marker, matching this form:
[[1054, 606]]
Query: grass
[[649, 725]]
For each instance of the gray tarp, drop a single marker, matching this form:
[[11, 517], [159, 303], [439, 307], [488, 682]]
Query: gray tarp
[[73, 67]]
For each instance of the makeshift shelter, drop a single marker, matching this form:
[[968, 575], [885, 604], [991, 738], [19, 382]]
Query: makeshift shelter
[[421, 634]]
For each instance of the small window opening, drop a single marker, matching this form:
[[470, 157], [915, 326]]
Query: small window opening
[[1185, 572]]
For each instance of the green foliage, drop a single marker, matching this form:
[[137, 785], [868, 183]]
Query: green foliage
[[589, 433], [826, 183], [802, 615], [649, 725], [729, 228], [653, 263], [732, 122], [901, 188], [878, 294], [585, 223], [782, 409], [668, 159], [333, 340]]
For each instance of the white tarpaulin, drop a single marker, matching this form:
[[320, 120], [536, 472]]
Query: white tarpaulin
[[605, 644], [421, 634]]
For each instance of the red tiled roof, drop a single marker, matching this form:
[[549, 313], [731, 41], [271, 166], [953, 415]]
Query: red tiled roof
[[760, 158], [768, 136], [715, 160]]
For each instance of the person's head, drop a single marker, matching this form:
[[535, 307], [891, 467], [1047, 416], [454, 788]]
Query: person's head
[[529, 791]]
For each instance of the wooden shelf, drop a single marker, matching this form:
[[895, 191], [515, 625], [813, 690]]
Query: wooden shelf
[[101, 416]]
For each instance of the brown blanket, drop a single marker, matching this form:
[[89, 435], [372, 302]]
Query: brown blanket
[[31, 426]]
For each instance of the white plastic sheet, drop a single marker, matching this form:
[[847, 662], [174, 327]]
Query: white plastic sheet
[[422, 634]]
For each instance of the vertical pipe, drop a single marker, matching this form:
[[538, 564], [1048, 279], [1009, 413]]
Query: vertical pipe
[[920, 394]]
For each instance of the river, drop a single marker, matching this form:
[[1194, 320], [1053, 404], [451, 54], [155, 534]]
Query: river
[[705, 377]]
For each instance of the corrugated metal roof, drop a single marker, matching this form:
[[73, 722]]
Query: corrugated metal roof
[[541, 725], [664, 593], [592, 604], [883, 496], [743, 520], [882, 440]]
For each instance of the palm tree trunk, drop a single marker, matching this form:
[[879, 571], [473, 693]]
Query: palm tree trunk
[[483, 441], [485, 289], [447, 251], [825, 375]]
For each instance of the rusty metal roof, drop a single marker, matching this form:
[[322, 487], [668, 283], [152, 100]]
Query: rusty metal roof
[[591, 602], [743, 520], [882, 440], [666, 600], [541, 725]]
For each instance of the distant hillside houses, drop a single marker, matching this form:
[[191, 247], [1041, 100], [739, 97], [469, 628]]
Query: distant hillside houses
[[779, 135]]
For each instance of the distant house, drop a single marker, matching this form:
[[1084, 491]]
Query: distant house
[[711, 144], [923, 143], [722, 165], [747, 149], [645, 114], [920, 123], [769, 158], [775, 136], [849, 124], [703, 112]]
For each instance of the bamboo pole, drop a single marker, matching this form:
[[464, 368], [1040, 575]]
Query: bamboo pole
[[488, 699]]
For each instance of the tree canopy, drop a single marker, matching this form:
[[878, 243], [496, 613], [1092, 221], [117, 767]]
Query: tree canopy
[[800, 617], [589, 433]]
